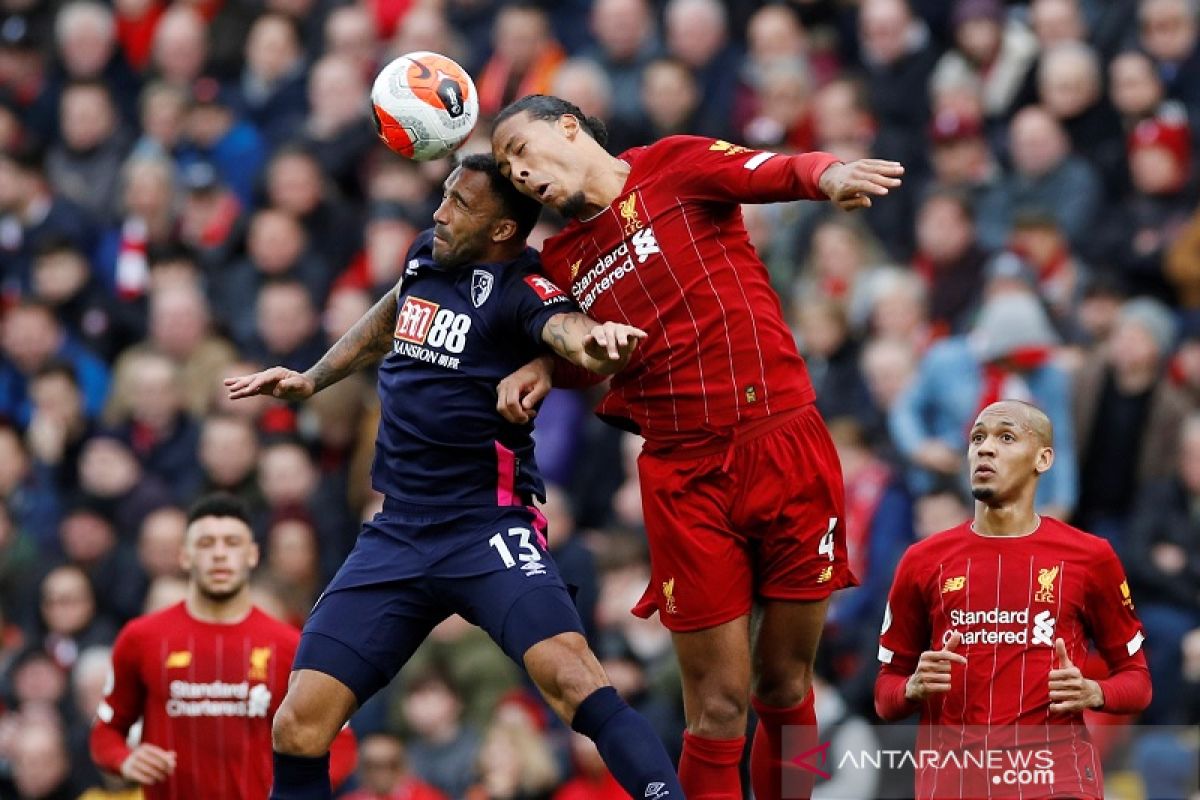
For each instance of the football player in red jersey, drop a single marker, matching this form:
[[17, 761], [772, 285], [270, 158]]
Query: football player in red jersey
[[741, 485], [986, 621], [205, 675]]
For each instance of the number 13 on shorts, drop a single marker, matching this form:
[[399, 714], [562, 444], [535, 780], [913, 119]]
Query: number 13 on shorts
[[825, 548], [528, 554]]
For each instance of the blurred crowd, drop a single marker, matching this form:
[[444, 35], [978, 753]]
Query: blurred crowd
[[192, 190]]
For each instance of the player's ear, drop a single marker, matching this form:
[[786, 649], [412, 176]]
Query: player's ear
[[252, 556], [504, 230], [1045, 460], [569, 125]]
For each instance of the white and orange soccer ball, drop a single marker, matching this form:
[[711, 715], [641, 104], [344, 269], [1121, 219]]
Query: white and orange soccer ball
[[425, 105]]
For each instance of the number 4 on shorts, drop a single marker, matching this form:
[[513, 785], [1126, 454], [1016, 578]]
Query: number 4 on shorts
[[825, 548]]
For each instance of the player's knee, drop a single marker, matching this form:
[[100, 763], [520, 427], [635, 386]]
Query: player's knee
[[722, 715], [293, 735], [784, 685], [566, 670]]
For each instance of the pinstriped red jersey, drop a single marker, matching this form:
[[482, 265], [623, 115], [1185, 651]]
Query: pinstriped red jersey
[[671, 256], [208, 692], [1010, 597]]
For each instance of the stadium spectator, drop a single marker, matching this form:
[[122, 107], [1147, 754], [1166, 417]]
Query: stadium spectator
[[351, 35], [32, 338], [57, 427], [783, 120], [1007, 353], [30, 215], [277, 248], [160, 541], [950, 260], [1162, 554], [270, 93], [295, 183], [1168, 33], [888, 365], [89, 541], [85, 34], [1056, 21], [1127, 418], [144, 221], [293, 563], [217, 135], [338, 130], [384, 772], [524, 59], [441, 749], [158, 428], [514, 761], [843, 257], [228, 454], [180, 49], [1045, 177], [672, 99], [697, 33], [41, 767], [69, 620], [1070, 80], [1059, 274], [289, 480], [996, 49], [162, 108], [1136, 231], [831, 353], [110, 476], [289, 330], [85, 165], [626, 43], [899, 56], [18, 563]]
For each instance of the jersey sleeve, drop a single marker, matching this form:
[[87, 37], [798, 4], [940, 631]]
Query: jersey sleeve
[[904, 636], [531, 300], [123, 704], [719, 171], [1117, 632]]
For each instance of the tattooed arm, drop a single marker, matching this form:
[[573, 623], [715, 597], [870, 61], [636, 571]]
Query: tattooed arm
[[602, 348], [364, 344]]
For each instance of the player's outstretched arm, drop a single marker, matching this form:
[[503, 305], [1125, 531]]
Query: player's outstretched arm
[[364, 344], [604, 348], [852, 185]]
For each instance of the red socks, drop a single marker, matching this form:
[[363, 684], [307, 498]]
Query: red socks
[[766, 763], [708, 768]]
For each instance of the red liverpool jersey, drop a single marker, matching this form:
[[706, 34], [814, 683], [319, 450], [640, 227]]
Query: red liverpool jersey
[[1010, 598], [671, 256], [208, 692]]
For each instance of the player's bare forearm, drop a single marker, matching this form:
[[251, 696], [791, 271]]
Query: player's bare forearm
[[363, 345], [603, 348]]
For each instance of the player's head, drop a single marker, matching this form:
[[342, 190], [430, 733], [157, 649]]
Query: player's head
[[219, 549], [1011, 446], [544, 145], [481, 217]]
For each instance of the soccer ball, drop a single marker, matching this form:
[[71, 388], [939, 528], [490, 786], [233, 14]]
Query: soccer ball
[[425, 105]]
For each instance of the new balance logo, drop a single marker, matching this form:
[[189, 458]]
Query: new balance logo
[[656, 790], [644, 244], [1043, 629]]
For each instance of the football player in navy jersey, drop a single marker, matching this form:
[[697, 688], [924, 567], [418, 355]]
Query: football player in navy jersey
[[458, 532]]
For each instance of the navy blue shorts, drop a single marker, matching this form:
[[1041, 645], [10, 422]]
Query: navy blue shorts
[[413, 567]]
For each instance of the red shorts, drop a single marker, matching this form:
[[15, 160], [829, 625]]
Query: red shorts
[[761, 518]]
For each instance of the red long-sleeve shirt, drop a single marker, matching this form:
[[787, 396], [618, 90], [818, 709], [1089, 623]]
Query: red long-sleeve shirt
[[1010, 598], [671, 256], [208, 692]]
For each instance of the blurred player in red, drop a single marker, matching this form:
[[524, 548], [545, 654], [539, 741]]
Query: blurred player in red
[[741, 486], [1010, 601], [205, 676]]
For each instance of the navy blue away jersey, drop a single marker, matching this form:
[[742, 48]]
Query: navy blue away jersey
[[458, 333]]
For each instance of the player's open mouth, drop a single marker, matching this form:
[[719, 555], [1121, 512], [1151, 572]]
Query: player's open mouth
[[543, 191]]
